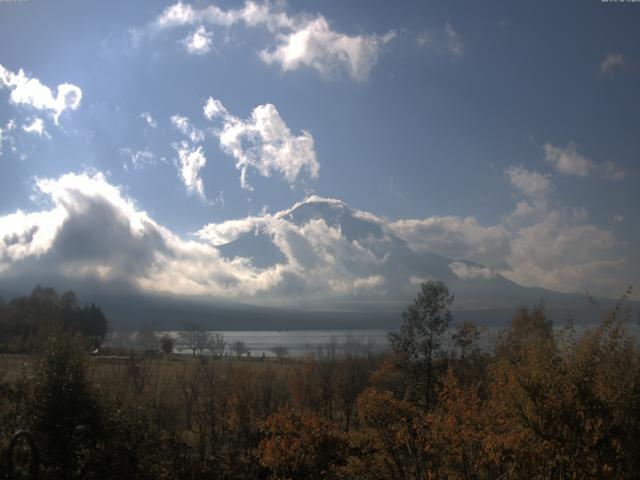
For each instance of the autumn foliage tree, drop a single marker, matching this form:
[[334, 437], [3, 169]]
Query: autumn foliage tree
[[419, 341]]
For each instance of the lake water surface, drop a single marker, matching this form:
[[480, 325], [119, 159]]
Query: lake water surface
[[300, 342]]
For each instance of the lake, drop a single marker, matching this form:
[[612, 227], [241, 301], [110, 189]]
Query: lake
[[298, 342]]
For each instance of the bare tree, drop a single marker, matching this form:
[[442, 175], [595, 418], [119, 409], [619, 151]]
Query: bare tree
[[280, 351], [216, 344], [201, 341], [239, 348]]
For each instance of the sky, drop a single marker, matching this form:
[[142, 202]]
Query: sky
[[503, 133]]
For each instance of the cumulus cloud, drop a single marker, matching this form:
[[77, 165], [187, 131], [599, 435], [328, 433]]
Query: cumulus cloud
[[528, 182], [36, 127], [317, 46], [569, 161], [456, 237], [263, 142], [454, 42], [191, 161], [300, 41], [184, 126], [148, 118], [30, 92], [227, 231], [198, 42], [465, 270], [91, 229], [191, 157], [563, 253], [612, 62]]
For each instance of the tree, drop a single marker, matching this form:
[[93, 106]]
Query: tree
[[201, 341], [63, 408], [301, 444], [419, 339], [280, 351], [465, 338], [216, 344], [239, 348]]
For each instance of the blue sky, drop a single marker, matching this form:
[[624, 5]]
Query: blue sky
[[502, 133]]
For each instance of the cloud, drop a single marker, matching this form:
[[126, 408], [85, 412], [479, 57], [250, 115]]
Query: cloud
[[191, 157], [563, 253], [612, 62], [5, 136], [454, 42], [198, 42], [147, 117], [612, 171], [138, 159], [36, 127], [91, 230], [184, 126], [317, 46], [464, 270], [456, 237], [191, 161], [30, 92], [300, 41], [528, 182], [225, 232], [567, 160], [263, 142], [444, 40]]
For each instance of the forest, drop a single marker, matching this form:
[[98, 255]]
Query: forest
[[446, 401]]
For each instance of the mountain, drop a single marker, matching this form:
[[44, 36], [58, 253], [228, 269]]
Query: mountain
[[330, 266]]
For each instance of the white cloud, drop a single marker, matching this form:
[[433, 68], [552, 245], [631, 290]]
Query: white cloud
[[465, 270], [138, 159], [612, 62], [563, 253], [5, 135], [199, 41], [317, 46], [454, 42], [569, 161], [424, 38], [92, 230], [225, 232], [36, 127], [263, 142], [301, 41], [528, 182], [191, 160], [443, 40], [29, 91], [455, 237], [147, 117], [612, 171], [184, 126]]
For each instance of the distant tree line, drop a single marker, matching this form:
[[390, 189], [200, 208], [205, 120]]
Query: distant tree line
[[25, 322]]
